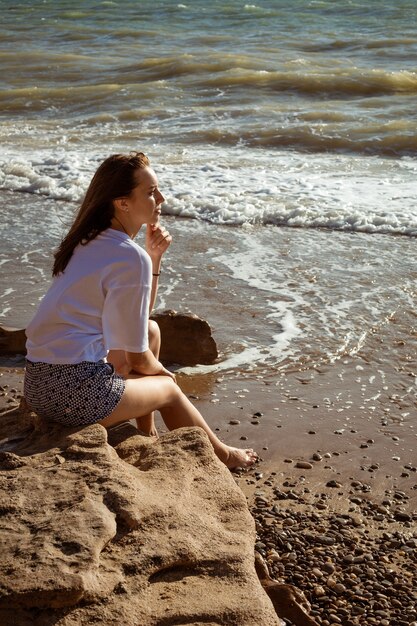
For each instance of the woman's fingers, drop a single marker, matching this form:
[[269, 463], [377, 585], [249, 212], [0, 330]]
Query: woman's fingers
[[158, 237], [166, 372]]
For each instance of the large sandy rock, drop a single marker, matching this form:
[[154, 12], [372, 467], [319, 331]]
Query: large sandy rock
[[186, 339], [140, 533], [12, 340]]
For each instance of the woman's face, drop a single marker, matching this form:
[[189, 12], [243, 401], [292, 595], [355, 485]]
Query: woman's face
[[143, 205]]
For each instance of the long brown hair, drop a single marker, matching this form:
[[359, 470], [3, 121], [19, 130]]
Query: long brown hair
[[114, 178]]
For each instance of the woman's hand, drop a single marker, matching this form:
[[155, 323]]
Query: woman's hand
[[157, 240], [165, 372], [146, 364]]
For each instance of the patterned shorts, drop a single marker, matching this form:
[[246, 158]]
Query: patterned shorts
[[73, 395]]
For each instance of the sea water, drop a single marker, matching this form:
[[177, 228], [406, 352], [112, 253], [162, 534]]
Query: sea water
[[271, 125]]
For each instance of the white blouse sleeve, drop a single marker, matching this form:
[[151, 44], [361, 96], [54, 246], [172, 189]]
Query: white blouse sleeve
[[125, 318]]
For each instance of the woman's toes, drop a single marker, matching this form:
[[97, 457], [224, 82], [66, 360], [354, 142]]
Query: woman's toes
[[239, 457]]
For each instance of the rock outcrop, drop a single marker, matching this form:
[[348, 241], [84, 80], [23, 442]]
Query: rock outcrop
[[186, 339], [115, 528]]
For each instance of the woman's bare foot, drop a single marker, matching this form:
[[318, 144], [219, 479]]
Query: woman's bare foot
[[239, 457], [146, 425]]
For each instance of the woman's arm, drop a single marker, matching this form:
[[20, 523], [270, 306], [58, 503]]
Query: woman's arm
[[157, 243], [147, 364]]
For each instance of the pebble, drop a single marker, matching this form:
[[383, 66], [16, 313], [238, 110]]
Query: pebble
[[365, 566], [402, 516], [303, 465], [319, 591], [333, 483], [329, 568]]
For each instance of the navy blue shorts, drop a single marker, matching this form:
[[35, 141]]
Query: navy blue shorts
[[73, 395]]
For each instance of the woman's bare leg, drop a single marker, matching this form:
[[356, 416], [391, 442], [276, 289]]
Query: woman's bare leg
[[145, 423], [144, 394]]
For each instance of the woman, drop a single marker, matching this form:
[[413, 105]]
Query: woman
[[92, 352]]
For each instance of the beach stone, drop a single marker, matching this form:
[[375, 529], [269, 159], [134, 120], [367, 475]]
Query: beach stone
[[329, 568], [303, 465], [318, 573], [128, 530], [12, 340], [402, 516], [186, 339], [319, 591], [333, 483]]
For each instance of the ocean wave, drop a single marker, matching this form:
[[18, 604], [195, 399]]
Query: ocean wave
[[333, 192], [218, 70], [347, 219], [360, 43], [392, 140], [351, 82]]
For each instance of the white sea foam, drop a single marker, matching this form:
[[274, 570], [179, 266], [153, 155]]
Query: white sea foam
[[7, 292], [351, 193]]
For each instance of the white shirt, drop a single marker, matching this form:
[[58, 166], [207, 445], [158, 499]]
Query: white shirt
[[100, 302]]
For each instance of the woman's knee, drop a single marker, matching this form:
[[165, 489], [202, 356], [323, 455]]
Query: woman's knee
[[172, 390], [154, 335]]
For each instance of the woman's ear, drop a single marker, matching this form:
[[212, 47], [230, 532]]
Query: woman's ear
[[121, 204]]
